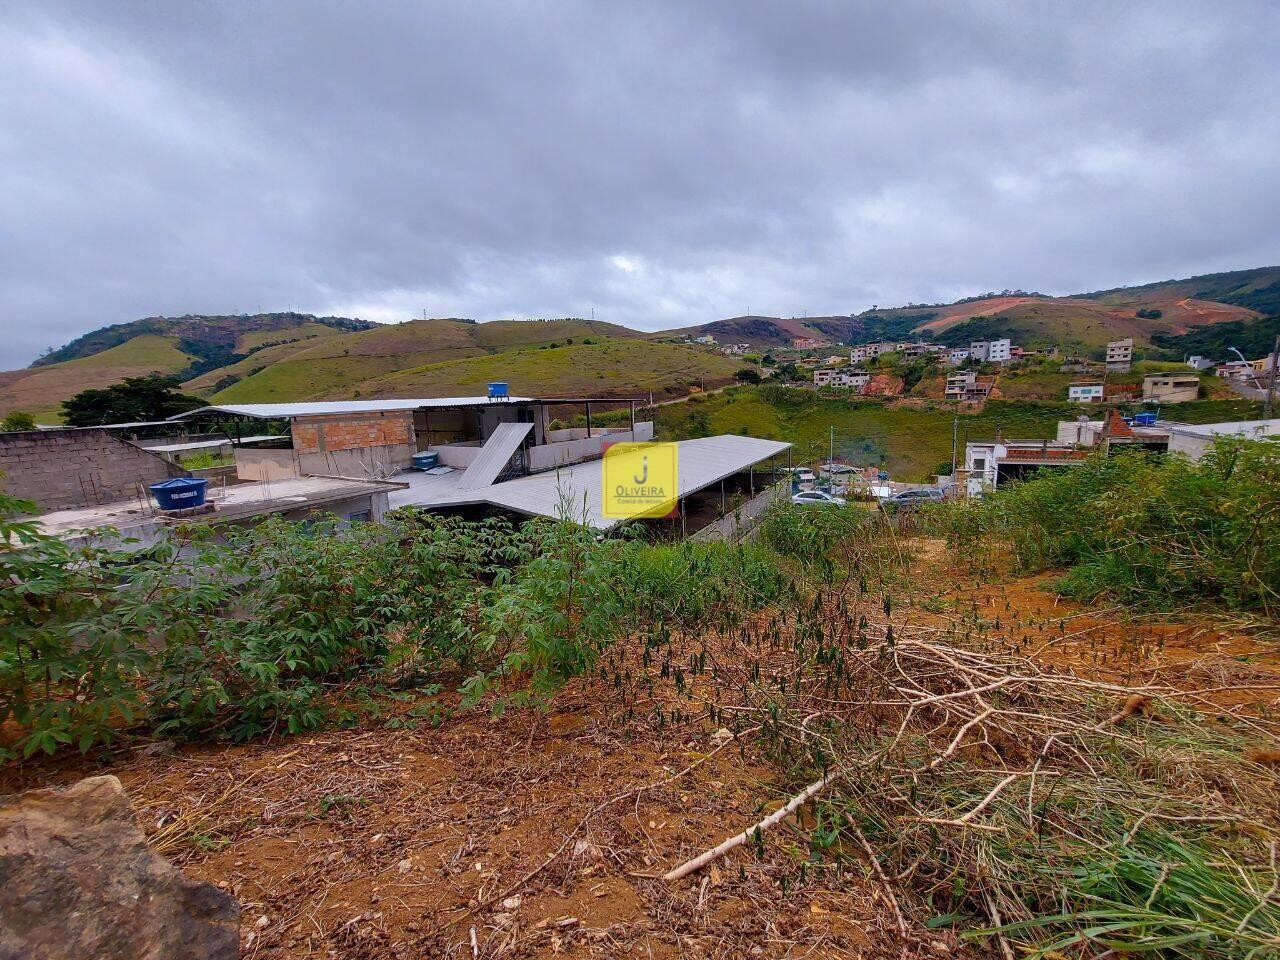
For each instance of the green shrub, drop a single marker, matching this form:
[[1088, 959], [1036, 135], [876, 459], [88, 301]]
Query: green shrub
[[1159, 531]]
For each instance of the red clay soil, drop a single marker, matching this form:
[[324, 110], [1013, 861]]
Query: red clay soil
[[1225, 661], [377, 843]]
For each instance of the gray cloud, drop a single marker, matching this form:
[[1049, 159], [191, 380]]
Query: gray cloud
[[665, 164]]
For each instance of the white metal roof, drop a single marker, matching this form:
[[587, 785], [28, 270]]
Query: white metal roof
[[1251, 428], [273, 411], [700, 463]]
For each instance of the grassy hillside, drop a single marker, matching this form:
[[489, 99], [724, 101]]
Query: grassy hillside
[[41, 390], [340, 365], [910, 438], [200, 335], [604, 368]]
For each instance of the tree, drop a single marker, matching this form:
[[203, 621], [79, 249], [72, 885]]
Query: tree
[[137, 399], [747, 375], [17, 420]]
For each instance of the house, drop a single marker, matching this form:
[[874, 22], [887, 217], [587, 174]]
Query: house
[[1120, 355], [956, 357], [1170, 388], [1085, 393], [736, 349], [958, 383], [1196, 362], [840, 378], [835, 361], [987, 464], [1235, 370], [706, 338], [806, 343], [991, 351]]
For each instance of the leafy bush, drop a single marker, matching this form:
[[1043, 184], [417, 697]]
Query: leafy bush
[[281, 627], [1160, 531]]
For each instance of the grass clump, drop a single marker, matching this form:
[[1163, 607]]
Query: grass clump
[[1157, 531]]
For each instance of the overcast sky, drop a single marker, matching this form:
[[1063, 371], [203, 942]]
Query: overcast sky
[[665, 164]]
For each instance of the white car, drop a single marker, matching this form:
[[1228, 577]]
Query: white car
[[817, 498]]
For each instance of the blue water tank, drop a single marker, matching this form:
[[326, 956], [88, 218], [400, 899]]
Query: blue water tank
[[1145, 419], [498, 390], [180, 492], [426, 460]]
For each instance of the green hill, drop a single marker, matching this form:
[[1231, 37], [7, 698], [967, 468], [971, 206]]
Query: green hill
[[613, 367]]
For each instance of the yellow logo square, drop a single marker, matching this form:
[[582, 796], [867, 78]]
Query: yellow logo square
[[640, 480]]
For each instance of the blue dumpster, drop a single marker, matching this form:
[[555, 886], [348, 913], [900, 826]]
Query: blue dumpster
[[180, 492], [426, 460], [498, 390]]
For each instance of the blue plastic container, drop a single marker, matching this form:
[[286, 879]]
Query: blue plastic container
[[426, 460], [498, 390], [180, 492], [1145, 419]]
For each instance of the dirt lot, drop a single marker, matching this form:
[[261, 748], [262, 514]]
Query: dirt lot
[[527, 835]]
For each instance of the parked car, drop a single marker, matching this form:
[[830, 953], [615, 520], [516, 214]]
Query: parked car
[[817, 498], [909, 499]]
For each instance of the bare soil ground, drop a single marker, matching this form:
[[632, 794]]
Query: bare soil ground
[[531, 835]]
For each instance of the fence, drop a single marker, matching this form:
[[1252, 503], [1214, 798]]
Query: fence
[[733, 525]]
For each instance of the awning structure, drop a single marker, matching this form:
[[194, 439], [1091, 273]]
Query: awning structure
[[318, 408], [577, 492]]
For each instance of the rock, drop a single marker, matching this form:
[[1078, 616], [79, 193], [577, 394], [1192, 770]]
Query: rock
[[77, 880], [512, 903], [721, 737]]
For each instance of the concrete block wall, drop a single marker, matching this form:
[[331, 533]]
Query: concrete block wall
[[65, 469]]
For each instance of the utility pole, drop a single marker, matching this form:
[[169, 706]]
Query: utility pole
[[955, 433], [1271, 383], [831, 457]]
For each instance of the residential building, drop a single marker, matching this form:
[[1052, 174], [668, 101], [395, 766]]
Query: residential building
[[1170, 388], [1085, 393], [1120, 355], [958, 383], [956, 357], [987, 464], [840, 378], [705, 338], [999, 351], [1196, 362], [968, 387], [806, 343], [736, 349], [980, 350], [835, 361], [1235, 370], [860, 353]]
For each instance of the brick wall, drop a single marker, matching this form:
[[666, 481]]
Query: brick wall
[[63, 469], [352, 432]]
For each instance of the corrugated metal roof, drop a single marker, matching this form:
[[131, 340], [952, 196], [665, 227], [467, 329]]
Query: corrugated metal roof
[[272, 411], [579, 488]]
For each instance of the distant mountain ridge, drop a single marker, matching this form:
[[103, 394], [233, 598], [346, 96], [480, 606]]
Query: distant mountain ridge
[[297, 356], [197, 334], [1165, 308]]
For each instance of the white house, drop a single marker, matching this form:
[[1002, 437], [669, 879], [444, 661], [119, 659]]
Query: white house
[[1085, 392], [840, 378], [957, 356], [1000, 351]]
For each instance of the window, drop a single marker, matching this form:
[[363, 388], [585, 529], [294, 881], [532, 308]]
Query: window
[[979, 463], [363, 516]]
